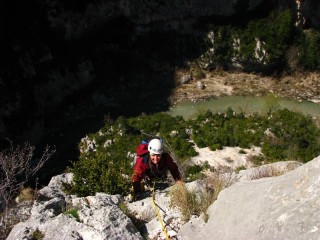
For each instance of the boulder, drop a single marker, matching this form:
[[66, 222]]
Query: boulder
[[200, 85], [185, 79]]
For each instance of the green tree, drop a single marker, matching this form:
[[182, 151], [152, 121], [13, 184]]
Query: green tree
[[223, 50], [309, 56]]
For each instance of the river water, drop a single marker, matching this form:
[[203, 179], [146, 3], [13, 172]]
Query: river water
[[259, 105]]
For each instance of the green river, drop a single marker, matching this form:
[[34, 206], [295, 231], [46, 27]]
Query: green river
[[259, 105]]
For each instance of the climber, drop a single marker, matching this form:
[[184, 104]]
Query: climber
[[153, 165]]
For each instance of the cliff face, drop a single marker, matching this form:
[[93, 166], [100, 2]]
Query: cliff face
[[282, 207], [258, 205], [65, 65]]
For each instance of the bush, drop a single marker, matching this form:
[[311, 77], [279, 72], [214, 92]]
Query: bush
[[223, 50], [309, 50], [191, 203], [17, 166], [275, 33], [227, 130], [104, 170], [37, 235], [194, 172], [185, 200], [295, 137], [74, 213]]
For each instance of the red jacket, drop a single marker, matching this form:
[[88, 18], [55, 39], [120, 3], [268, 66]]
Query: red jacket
[[146, 168]]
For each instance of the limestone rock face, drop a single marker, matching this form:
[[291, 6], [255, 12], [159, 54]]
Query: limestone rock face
[[145, 211], [99, 217], [283, 207], [255, 206]]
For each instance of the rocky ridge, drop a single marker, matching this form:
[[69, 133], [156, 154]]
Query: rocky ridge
[[100, 217]]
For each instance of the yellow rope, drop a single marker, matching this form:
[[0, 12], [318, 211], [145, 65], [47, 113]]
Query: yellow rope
[[164, 230]]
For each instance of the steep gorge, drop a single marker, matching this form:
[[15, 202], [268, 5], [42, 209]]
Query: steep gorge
[[66, 67]]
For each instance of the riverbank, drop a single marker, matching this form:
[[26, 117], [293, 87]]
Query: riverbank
[[298, 86]]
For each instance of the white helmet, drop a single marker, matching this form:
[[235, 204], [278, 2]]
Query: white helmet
[[155, 146]]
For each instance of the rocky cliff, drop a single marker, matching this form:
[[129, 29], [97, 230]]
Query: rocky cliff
[[283, 207], [259, 205], [65, 66]]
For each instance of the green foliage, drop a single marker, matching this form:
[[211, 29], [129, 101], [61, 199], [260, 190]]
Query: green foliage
[[106, 167], [247, 38], [186, 201], [275, 32], [242, 151], [37, 235], [106, 160], [198, 73], [258, 160], [296, 137], [74, 213], [223, 45], [182, 148], [104, 170], [227, 130], [193, 172], [238, 169], [309, 56]]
